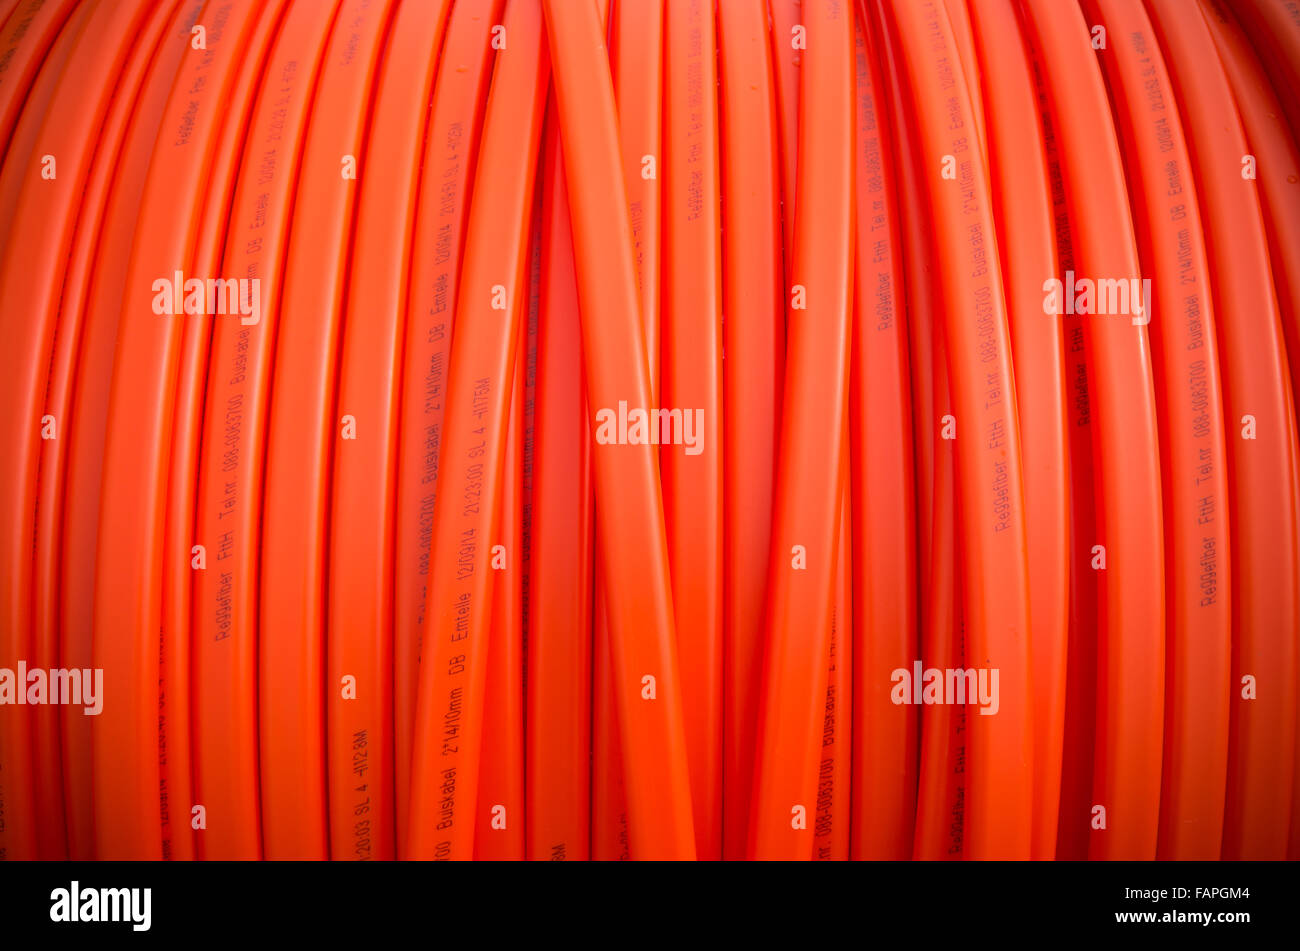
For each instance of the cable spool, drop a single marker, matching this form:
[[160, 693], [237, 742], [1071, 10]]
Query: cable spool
[[513, 429]]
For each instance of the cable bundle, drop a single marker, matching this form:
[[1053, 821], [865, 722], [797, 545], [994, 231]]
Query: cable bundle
[[567, 429]]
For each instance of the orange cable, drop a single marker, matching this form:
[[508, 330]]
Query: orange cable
[[633, 552], [490, 303], [446, 183], [808, 487]]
